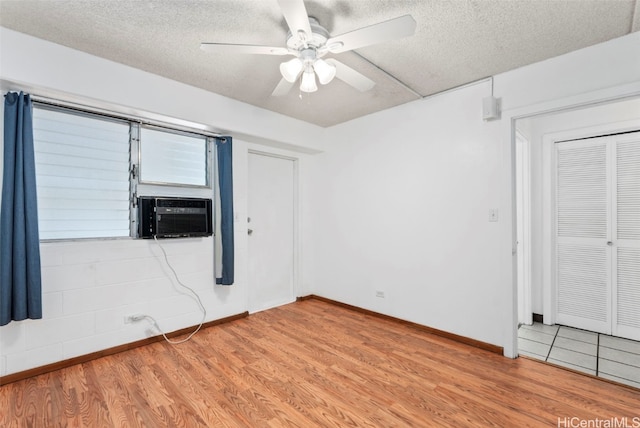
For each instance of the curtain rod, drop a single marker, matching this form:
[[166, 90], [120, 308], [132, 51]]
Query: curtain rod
[[130, 115]]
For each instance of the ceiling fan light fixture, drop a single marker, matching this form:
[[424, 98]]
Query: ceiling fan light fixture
[[325, 71], [308, 83], [291, 69]]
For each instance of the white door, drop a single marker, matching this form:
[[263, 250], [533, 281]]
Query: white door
[[598, 234], [271, 216], [583, 257], [626, 299]]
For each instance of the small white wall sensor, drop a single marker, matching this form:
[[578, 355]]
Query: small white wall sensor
[[490, 108]]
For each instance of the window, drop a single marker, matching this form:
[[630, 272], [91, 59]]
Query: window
[[82, 175], [83, 163], [172, 158]]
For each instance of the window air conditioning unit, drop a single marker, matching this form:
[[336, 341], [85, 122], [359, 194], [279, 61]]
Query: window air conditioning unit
[[165, 217]]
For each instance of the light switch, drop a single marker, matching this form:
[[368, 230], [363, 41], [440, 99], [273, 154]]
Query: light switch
[[493, 214]]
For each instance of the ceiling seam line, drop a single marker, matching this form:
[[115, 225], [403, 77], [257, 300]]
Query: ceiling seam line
[[464, 85], [400, 82], [424, 97]]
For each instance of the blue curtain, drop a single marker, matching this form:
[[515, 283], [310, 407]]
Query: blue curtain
[[20, 286], [225, 183]]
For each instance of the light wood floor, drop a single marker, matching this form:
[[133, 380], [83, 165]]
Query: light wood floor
[[312, 364]]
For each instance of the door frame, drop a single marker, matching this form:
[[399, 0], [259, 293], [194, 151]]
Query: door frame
[[620, 330], [296, 215], [523, 169], [510, 116], [549, 165]]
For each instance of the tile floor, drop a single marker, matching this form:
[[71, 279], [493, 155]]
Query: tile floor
[[605, 356]]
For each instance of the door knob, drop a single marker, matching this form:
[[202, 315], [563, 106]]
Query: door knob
[[249, 231], [609, 243]]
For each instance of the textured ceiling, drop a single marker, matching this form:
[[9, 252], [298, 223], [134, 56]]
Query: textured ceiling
[[455, 42]]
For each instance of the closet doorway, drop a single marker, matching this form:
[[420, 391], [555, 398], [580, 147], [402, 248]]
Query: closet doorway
[[584, 223]]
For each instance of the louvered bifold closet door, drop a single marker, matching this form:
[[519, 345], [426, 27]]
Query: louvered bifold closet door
[[583, 258], [627, 256]]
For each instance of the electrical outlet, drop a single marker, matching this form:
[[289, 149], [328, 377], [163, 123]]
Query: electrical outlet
[[380, 294]]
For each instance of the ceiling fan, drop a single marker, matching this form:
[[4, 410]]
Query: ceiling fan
[[309, 42]]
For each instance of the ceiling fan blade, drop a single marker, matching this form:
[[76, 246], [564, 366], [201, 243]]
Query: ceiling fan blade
[[295, 13], [282, 89], [243, 49], [377, 33], [351, 77]]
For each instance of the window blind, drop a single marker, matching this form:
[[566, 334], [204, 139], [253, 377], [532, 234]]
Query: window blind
[[82, 174]]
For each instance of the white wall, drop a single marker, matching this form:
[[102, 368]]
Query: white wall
[[89, 286], [570, 79], [404, 194], [404, 210]]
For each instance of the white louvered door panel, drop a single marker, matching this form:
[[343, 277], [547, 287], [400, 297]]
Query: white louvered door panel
[[583, 212], [626, 297]]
